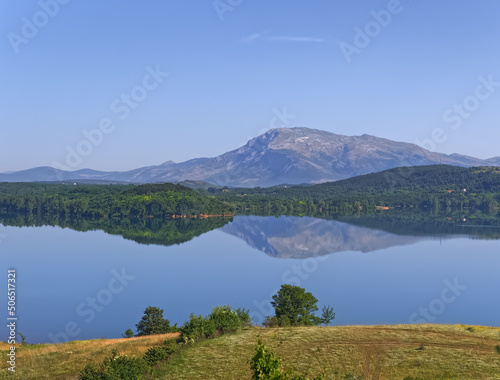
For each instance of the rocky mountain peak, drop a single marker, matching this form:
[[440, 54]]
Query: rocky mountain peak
[[278, 156]]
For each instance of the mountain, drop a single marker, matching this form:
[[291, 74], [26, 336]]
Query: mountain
[[279, 156], [303, 237], [290, 237]]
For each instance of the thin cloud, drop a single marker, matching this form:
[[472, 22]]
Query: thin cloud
[[263, 36], [294, 39], [253, 37]]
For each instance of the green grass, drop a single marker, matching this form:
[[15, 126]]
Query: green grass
[[370, 352]]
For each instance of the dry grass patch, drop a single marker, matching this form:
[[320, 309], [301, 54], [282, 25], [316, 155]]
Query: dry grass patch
[[65, 360]]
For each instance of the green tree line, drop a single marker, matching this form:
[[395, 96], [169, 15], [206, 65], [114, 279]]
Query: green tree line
[[106, 201], [436, 187]]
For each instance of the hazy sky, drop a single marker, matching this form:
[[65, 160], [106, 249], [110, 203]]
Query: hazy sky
[[410, 71]]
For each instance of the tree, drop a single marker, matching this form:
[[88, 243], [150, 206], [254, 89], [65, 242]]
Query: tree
[[295, 304], [152, 322], [328, 315], [23, 337], [128, 333]]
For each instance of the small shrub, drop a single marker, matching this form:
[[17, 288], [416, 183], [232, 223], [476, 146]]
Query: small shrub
[[90, 372], [225, 319], [157, 354], [275, 321], [115, 367], [270, 322], [128, 333], [197, 328], [265, 364], [244, 316], [126, 368]]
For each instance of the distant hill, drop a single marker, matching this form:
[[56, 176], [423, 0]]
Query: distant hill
[[433, 187], [425, 178], [197, 185], [285, 155], [429, 178]]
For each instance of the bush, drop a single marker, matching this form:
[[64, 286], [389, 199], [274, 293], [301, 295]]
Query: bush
[[157, 354], [115, 367], [265, 365], [90, 372], [197, 328], [225, 319], [244, 316], [271, 322], [275, 321], [221, 320], [128, 333]]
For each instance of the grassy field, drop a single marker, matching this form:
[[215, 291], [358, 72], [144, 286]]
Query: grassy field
[[369, 352], [64, 361]]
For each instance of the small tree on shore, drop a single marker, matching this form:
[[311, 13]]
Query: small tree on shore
[[327, 315], [23, 337], [128, 333], [152, 322], [297, 305]]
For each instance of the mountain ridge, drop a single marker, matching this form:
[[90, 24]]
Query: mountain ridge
[[283, 155]]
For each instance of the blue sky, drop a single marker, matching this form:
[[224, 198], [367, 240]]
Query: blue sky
[[232, 69]]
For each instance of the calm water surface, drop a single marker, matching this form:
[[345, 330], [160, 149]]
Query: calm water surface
[[83, 285]]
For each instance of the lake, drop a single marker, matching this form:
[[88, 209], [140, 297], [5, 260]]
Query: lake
[[88, 284]]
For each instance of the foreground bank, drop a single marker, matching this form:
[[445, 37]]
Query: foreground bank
[[346, 352]]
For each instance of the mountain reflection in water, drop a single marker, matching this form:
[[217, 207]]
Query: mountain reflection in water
[[302, 237]]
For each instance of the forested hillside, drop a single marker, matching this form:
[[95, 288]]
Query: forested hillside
[[435, 186], [97, 201]]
